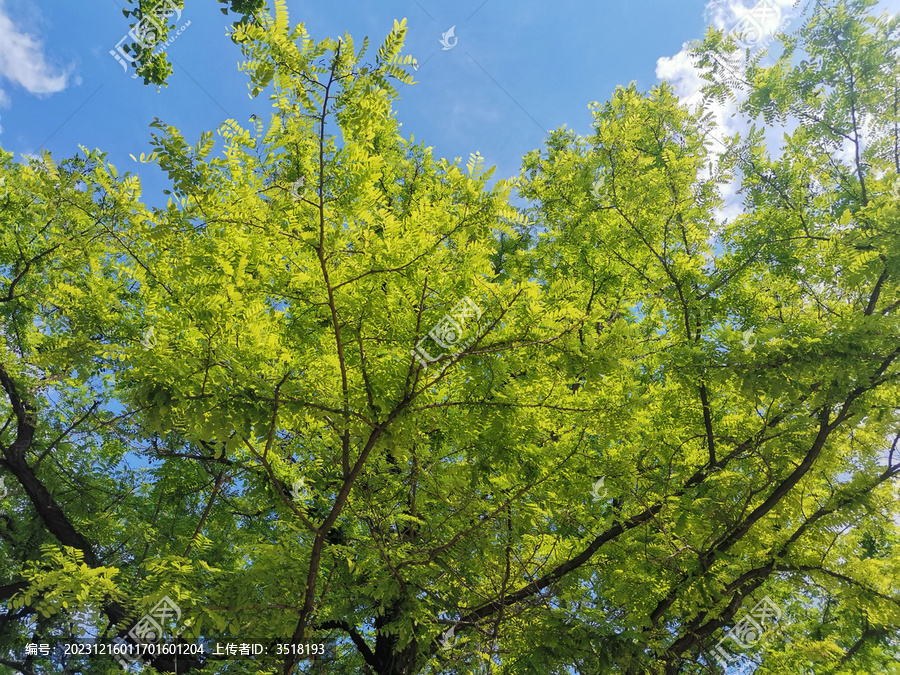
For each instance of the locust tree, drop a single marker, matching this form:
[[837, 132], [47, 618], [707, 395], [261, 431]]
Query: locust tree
[[152, 23], [340, 391]]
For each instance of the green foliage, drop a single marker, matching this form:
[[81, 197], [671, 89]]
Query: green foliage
[[650, 418]]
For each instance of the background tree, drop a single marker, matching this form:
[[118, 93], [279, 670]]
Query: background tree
[[645, 418], [152, 21]]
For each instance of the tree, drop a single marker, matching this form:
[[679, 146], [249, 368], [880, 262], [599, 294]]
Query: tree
[[380, 409], [152, 24]]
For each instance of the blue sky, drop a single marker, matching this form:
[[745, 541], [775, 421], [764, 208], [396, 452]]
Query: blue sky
[[518, 69]]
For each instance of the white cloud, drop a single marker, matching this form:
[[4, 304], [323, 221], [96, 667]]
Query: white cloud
[[684, 76], [22, 61], [754, 27], [759, 23], [679, 69]]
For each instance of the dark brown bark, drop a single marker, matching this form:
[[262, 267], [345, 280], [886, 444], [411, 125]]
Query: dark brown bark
[[50, 512]]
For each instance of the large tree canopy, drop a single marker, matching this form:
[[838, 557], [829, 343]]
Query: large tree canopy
[[341, 391]]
